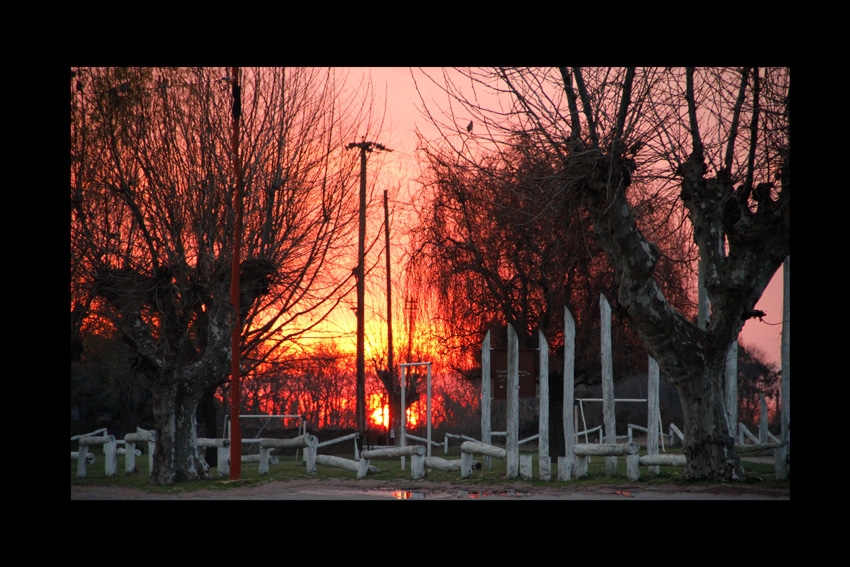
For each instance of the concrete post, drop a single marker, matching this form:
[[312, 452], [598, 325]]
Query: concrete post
[[543, 396], [565, 471], [785, 361], [512, 421], [608, 385], [653, 426], [485, 397]]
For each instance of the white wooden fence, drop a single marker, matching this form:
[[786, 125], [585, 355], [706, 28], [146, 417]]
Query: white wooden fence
[[470, 448], [130, 452], [307, 442], [96, 438], [765, 441], [415, 452]]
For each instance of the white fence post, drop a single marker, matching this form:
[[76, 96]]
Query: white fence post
[[82, 457], [486, 396], [633, 467], [785, 358], [652, 412], [465, 465], [512, 443], [608, 384], [543, 403], [565, 464], [109, 451], [110, 454], [525, 467], [763, 419], [417, 466], [311, 451], [130, 441], [780, 463], [545, 466]]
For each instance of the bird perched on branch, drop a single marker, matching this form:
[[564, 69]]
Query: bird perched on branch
[[469, 126]]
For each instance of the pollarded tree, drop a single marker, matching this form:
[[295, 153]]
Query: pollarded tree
[[152, 224], [713, 142]]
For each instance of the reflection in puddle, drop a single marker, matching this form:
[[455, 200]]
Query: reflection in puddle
[[462, 494], [408, 495]]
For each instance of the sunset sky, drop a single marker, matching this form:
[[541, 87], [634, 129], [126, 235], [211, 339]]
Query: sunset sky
[[403, 117]]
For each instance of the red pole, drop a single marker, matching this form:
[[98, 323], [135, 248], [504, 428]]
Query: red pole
[[236, 337]]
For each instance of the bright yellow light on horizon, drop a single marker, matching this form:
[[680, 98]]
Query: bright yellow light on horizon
[[380, 415], [379, 412]]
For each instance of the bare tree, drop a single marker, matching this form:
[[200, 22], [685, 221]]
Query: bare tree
[[502, 243], [152, 225], [714, 146]]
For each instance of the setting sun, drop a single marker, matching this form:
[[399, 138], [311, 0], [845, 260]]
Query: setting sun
[[379, 412]]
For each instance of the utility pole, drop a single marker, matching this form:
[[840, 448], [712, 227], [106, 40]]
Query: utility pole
[[361, 290], [390, 365], [236, 337]]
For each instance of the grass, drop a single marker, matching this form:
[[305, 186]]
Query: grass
[[289, 469]]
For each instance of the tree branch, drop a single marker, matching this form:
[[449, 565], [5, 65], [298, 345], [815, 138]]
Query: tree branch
[[575, 120], [587, 106]]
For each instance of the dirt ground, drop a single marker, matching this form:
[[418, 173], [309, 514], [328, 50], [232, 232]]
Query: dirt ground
[[366, 489]]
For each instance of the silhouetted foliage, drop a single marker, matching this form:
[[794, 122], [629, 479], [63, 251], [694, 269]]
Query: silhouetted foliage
[[502, 243], [107, 388], [756, 378]]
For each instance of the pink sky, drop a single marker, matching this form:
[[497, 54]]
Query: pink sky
[[403, 117], [766, 335]]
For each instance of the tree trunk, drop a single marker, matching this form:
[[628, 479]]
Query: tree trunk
[[207, 422], [395, 407], [177, 456], [189, 460], [691, 357], [708, 446], [162, 469]]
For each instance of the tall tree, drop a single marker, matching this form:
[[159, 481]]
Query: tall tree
[[152, 223], [716, 142], [501, 242]]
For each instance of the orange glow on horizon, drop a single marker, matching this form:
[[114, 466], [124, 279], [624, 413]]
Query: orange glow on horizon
[[413, 414], [379, 412], [322, 390]]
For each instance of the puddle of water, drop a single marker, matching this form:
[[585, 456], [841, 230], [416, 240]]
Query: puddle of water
[[408, 495], [462, 494]]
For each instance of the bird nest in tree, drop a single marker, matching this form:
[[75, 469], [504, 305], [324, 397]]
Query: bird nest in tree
[[257, 274]]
